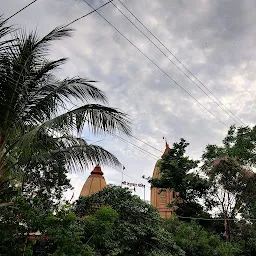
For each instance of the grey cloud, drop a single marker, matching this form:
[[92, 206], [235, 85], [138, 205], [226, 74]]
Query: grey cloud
[[215, 39]]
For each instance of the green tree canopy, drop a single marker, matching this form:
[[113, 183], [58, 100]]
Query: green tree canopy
[[178, 173], [196, 241], [136, 231]]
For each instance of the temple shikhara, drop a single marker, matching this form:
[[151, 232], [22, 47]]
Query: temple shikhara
[[159, 199], [94, 183]]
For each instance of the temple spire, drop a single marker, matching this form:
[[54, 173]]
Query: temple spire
[[167, 148], [159, 198], [94, 183]]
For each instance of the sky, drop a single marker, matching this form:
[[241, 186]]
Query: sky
[[215, 40]]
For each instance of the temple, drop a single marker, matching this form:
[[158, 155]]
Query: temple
[[94, 183], [161, 199]]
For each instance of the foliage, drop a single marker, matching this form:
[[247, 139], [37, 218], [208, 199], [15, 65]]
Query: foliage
[[29, 228], [194, 240], [98, 230], [136, 231], [39, 124], [176, 174], [239, 144], [233, 182], [40, 141]]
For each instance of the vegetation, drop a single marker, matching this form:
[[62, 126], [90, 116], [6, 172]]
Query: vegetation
[[224, 184], [40, 127], [40, 141], [136, 231]]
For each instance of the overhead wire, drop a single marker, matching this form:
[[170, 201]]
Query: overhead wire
[[139, 148], [190, 72], [211, 219], [88, 13], [172, 61], [164, 72], [146, 143], [26, 6], [121, 138]]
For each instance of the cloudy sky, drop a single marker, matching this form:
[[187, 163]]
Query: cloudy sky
[[215, 40]]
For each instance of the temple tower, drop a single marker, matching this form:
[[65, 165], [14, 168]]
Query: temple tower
[[160, 199], [94, 183]]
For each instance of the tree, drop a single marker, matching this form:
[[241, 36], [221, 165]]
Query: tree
[[178, 174], [40, 140], [98, 231], [136, 231], [239, 144], [39, 123], [195, 240], [233, 183], [31, 229]]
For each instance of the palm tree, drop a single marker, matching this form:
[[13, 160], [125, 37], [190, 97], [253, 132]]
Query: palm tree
[[37, 125]]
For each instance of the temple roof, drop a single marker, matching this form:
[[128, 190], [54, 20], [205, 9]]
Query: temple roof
[[97, 170], [94, 183], [156, 172]]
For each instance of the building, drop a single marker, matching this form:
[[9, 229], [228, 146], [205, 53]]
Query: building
[[94, 183], [160, 199]]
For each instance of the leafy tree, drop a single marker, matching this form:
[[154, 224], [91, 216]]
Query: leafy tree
[[233, 183], [239, 144], [136, 231], [31, 229], [21, 226], [194, 240], [98, 230], [178, 173]]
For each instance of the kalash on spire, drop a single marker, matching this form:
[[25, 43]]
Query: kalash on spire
[[161, 199]]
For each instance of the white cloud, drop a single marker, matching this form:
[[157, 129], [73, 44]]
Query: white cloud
[[214, 39]]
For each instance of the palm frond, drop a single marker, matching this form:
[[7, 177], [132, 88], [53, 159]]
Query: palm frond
[[4, 31], [47, 100], [78, 156], [73, 152], [100, 120], [31, 100]]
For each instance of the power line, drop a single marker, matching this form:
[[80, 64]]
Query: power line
[[88, 13], [20, 10], [146, 143], [199, 218], [172, 61], [190, 72], [139, 148], [181, 87], [124, 140]]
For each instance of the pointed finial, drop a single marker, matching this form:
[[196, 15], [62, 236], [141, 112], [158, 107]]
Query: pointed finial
[[167, 148], [166, 143]]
